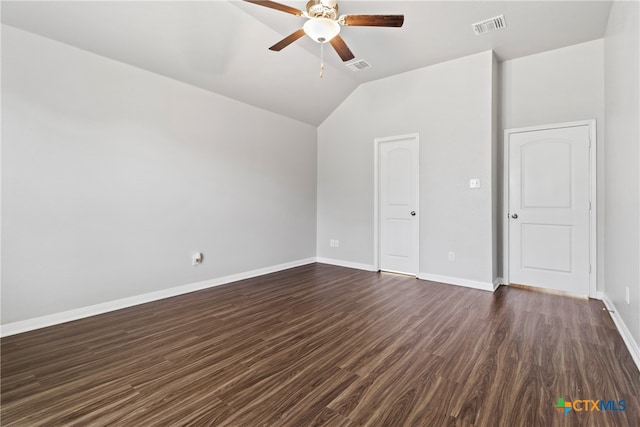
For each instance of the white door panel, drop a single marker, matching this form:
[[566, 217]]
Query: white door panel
[[546, 247], [549, 228], [398, 199]]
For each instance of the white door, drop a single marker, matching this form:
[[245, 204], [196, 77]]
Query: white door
[[398, 204], [549, 208]]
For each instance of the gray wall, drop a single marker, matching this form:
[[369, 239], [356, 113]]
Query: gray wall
[[449, 105], [561, 85], [112, 176], [622, 163], [496, 176]]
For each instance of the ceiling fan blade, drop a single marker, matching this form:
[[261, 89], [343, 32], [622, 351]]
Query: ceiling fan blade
[[287, 40], [373, 20], [277, 6], [341, 47]]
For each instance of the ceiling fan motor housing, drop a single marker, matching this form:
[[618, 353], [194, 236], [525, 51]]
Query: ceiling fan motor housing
[[322, 9]]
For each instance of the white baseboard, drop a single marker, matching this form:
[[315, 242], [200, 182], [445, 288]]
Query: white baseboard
[[485, 286], [497, 282], [92, 310], [349, 264], [632, 345]]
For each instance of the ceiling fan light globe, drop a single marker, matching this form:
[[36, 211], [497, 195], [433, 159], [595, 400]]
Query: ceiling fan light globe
[[321, 30]]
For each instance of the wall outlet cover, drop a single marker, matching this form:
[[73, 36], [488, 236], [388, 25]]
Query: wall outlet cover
[[197, 258]]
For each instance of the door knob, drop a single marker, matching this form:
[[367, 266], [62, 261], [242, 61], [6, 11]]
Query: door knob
[[514, 216], [413, 213]]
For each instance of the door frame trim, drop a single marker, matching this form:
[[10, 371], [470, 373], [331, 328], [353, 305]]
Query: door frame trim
[[593, 235], [376, 195]]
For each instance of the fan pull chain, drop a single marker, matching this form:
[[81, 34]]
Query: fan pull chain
[[321, 57]]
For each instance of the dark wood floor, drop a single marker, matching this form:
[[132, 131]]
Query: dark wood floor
[[324, 345]]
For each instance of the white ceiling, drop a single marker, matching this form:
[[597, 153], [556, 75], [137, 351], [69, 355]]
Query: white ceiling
[[222, 46]]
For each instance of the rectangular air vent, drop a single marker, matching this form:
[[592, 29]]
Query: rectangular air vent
[[489, 25], [358, 65]]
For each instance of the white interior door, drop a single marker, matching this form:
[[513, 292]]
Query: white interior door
[[549, 208], [398, 204]]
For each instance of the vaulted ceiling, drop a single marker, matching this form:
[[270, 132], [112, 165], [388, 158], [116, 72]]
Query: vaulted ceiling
[[222, 46]]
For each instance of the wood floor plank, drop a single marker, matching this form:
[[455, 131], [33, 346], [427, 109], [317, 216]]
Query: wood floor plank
[[321, 345]]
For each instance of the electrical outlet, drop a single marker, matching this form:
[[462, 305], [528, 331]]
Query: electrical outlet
[[626, 295], [332, 243], [337, 243], [452, 256], [196, 259]]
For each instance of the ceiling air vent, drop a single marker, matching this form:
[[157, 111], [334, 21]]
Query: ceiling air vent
[[358, 65], [489, 25]]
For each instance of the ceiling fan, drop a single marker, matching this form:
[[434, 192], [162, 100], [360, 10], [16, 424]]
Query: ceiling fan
[[323, 24]]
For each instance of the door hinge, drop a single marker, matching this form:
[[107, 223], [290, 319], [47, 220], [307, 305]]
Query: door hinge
[[589, 268], [589, 204]]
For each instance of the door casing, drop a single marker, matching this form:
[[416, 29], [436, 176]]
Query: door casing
[[376, 197], [592, 197]]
